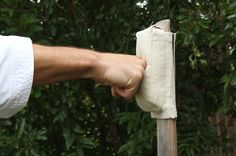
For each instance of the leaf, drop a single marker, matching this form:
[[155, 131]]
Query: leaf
[[69, 138], [86, 142], [41, 134], [37, 93], [21, 128], [215, 40]]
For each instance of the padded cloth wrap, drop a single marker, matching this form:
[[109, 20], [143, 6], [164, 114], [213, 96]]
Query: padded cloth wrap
[[157, 92]]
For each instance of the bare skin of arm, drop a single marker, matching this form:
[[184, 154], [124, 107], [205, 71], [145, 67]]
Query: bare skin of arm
[[122, 72]]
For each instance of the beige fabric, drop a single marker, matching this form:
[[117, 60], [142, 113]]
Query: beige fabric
[[157, 91]]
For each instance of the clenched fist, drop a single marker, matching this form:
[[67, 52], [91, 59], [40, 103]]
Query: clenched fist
[[122, 72]]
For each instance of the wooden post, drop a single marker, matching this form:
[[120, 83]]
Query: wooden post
[[166, 128], [166, 137]]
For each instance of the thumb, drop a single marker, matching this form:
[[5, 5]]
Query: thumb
[[127, 93], [113, 92]]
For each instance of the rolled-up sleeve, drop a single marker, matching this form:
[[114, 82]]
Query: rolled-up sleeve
[[16, 73]]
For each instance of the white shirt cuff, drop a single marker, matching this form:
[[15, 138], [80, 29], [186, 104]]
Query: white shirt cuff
[[16, 73]]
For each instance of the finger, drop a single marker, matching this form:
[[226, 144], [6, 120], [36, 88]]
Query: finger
[[126, 93], [144, 63], [113, 92]]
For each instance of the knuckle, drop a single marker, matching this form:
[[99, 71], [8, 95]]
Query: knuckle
[[144, 63], [142, 69], [139, 75]]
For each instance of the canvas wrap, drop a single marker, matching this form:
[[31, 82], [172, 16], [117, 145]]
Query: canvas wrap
[[157, 90]]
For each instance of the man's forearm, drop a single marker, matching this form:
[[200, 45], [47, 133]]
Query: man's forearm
[[53, 64], [122, 72]]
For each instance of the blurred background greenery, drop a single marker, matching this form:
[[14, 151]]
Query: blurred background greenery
[[79, 118]]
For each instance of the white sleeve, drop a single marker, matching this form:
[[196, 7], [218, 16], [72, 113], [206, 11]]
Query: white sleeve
[[16, 73]]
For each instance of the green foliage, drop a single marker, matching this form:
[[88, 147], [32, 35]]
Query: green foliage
[[81, 118], [142, 136]]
